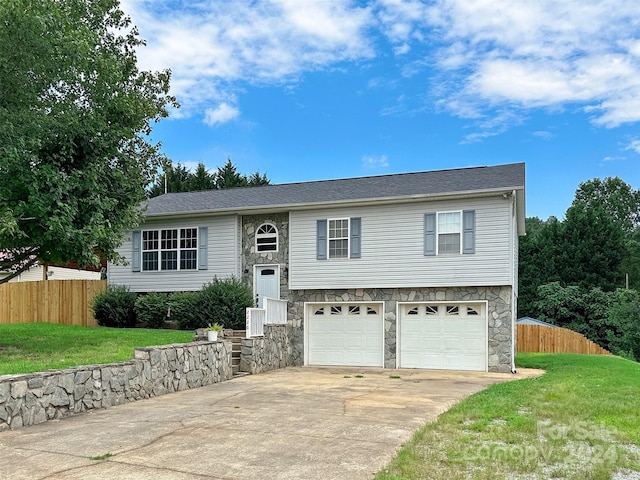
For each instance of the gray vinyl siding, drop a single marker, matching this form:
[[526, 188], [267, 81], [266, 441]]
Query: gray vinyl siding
[[392, 248], [222, 256]]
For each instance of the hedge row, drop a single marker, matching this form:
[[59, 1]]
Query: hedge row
[[222, 301]]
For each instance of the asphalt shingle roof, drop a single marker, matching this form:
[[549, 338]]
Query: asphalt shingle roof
[[432, 183]]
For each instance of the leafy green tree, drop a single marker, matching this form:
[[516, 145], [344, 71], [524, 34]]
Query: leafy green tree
[[630, 268], [538, 252], [610, 319], [622, 204], [562, 306], [592, 249], [75, 114], [595, 245], [615, 197], [623, 329]]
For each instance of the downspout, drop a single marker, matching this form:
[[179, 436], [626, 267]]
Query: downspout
[[514, 287]]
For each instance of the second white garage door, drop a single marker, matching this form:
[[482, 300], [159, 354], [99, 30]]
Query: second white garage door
[[445, 336], [350, 334]]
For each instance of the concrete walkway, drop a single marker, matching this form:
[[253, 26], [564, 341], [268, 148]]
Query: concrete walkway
[[296, 423]]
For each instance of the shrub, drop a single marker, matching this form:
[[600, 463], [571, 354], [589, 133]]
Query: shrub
[[224, 302], [115, 307], [185, 310], [151, 309]]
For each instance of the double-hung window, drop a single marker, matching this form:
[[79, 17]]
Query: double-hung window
[[170, 249], [150, 250], [450, 233], [339, 238]]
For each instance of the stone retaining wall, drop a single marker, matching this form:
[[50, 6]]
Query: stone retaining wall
[[278, 348], [37, 397]]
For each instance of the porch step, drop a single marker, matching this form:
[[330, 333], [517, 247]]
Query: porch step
[[236, 337]]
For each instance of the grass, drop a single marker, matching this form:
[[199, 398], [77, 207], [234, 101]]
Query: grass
[[581, 420], [34, 347], [102, 457]]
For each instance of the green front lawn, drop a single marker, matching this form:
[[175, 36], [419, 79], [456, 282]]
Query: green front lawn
[[581, 420], [34, 347]]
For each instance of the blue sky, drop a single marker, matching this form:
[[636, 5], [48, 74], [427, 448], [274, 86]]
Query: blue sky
[[319, 89]]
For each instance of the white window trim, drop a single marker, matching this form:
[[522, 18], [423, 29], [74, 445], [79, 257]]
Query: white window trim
[[267, 235], [160, 249], [459, 212], [347, 238]]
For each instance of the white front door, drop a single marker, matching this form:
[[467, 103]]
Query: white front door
[[267, 283]]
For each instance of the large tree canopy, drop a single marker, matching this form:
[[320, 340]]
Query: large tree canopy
[[615, 197], [75, 115], [595, 246]]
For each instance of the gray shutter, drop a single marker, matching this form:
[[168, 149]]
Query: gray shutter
[[203, 250], [355, 243], [321, 240], [136, 244], [429, 233], [469, 231]]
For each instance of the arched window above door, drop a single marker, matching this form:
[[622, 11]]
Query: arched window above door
[[267, 238]]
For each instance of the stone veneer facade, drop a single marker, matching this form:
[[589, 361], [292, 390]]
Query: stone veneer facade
[[251, 257], [500, 314], [34, 398]]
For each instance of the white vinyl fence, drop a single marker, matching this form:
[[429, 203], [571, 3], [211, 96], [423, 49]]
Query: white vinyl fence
[[273, 313], [255, 322], [276, 311]]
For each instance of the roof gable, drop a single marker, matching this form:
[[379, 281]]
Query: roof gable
[[361, 189]]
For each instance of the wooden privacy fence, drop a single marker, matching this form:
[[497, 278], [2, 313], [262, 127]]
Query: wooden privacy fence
[[538, 338], [66, 302]]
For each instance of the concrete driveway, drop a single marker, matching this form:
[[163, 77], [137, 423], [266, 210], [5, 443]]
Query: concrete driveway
[[296, 423]]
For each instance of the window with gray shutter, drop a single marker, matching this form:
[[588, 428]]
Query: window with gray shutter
[[429, 234], [469, 231], [356, 234], [321, 239]]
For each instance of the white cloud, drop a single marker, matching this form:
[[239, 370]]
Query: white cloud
[[543, 134], [634, 145], [542, 54], [491, 126], [612, 159], [402, 49], [372, 162], [213, 46], [480, 55], [221, 114]]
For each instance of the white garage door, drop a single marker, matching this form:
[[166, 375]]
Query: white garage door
[[447, 336], [349, 334]]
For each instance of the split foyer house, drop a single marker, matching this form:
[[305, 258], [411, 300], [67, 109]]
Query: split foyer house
[[415, 270]]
